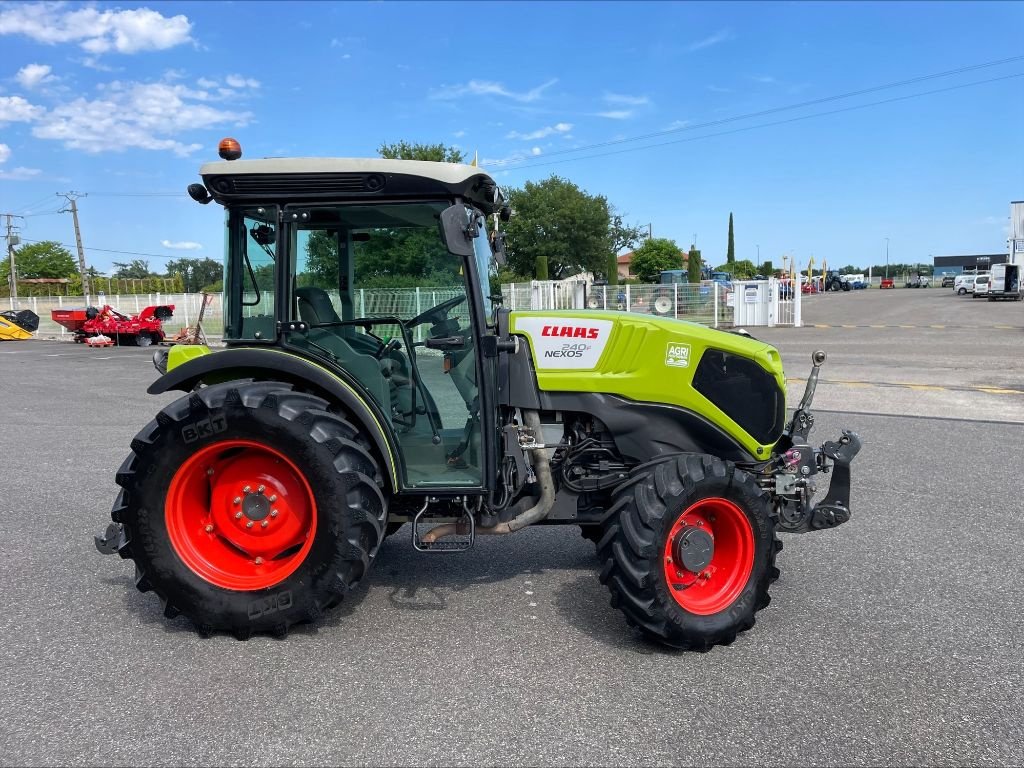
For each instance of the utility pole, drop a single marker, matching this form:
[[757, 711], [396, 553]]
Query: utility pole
[[12, 240], [72, 198]]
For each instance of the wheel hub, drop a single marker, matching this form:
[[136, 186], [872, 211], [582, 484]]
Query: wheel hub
[[694, 548], [255, 506]]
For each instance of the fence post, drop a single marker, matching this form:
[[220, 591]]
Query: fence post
[[797, 306], [716, 304], [604, 297], [773, 301], [628, 300], [675, 300]]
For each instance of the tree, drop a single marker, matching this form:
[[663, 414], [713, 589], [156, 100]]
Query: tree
[[730, 254], [767, 269], [437, 153], [558, 227], [655, 256], [46, 259], [743, 269], [136, 269], [622, 237], [195, 273], [693, 265]]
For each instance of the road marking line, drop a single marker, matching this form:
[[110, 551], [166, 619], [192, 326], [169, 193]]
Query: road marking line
[[940, 327], [988, 390]]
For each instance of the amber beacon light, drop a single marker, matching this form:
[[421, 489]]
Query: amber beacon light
[[229, 149]]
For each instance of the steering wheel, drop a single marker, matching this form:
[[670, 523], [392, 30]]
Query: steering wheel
[[435, 314]]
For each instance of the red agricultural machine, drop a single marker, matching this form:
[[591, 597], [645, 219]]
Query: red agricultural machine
[[142, 330]]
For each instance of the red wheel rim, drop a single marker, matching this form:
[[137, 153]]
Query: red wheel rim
[[714, 587], [240, 515]]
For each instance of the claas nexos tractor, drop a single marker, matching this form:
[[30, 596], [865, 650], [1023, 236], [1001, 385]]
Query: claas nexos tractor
[[336, 415]]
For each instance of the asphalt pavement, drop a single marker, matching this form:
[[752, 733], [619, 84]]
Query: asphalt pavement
[[893, 640]]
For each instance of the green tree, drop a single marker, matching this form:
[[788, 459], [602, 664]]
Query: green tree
[[622, 237], [767, 269], [136, 269], [46, 259], [438, 153], [693, 265], [653, 257], [558, 226], [195, 273], [730, 254], [743, 269]]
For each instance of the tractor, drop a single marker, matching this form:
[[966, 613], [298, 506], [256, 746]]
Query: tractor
[[337, 414]]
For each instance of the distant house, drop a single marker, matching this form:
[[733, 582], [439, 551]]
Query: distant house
[[623, 262]]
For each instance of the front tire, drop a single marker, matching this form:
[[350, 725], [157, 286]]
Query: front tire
[[249, 507], [689, 551]]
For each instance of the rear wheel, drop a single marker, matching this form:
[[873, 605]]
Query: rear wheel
[[662, 304], [249, 507], [689, 551]]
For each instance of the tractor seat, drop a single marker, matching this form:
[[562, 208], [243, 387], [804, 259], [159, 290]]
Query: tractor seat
[[315, 306]]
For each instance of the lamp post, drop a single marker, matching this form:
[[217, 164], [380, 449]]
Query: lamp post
[[887, 258]]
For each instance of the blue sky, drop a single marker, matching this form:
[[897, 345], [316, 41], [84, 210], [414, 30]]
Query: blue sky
[[125, 101]]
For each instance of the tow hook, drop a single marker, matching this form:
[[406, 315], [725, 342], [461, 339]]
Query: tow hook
[[794, 489], [111, 540], [834, 509]]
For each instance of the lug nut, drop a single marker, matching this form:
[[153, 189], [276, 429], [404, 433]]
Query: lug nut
[[273, 513], [247, 489], [209, 529], [249, 524], [259, 561], [238, 499], [238, 515], [209, 471], [264, 524], [261, 489], [273, 498]]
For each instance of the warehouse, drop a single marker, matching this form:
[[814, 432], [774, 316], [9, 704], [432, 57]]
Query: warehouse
[[955, 265]]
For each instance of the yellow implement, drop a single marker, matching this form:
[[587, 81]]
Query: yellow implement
[[17, 325]]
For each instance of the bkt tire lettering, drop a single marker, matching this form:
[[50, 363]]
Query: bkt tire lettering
[[201, 430]]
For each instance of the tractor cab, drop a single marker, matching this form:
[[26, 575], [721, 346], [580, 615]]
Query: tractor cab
[[377, 274]]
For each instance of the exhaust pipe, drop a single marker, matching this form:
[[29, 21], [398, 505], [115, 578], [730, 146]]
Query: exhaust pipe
[[542, 468]]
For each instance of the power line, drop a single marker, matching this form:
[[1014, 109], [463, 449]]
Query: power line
[[771, 111], [109, 250], [766, 125]]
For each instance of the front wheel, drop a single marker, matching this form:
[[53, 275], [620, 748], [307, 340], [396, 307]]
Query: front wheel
[[249, 507], [961, 292], [689, 551]]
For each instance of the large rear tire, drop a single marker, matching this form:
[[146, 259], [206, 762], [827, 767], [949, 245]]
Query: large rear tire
[[689, 551], [249, 507]]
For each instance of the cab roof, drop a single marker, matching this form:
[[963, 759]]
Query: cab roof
[[298, 179]]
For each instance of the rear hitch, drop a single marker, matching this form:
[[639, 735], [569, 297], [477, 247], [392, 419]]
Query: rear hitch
[[111, 540]]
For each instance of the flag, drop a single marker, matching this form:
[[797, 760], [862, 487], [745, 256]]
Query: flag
[[476, 159]]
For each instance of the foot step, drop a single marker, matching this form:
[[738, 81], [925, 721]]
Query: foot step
[[459, 541]]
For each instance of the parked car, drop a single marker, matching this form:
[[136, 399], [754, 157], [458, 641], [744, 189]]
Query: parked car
[[948, 280], [917, 280], [964, 284], [981, 285]]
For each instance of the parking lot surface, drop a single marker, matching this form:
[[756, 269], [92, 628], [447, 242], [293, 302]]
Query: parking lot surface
[[895, 639]]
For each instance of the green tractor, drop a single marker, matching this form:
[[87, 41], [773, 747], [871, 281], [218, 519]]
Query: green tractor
[[344, 408]]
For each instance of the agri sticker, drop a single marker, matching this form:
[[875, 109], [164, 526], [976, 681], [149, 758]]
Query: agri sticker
[[677, 355]]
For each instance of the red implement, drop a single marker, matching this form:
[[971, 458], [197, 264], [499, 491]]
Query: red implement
[[142, 329]]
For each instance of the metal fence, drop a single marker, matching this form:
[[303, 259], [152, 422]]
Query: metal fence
[[768, 302]]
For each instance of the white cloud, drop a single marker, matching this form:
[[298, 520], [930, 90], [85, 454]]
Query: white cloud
[[459, 134], [625, 98], [346, 56], [203, 82], [535, 151], [766, 79], [132, 114], [541, 132], [617, 114], [719, 37], [676, 124], [32, 75], [183, 245], [15, 174], [96, 31], [15, 109], [489, 88], [237, 81]]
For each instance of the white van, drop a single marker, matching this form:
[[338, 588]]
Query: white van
[[1006, 282], [964, 284], [981, 285]]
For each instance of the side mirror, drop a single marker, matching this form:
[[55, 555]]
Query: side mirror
[[457, 231], [498, 248]]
